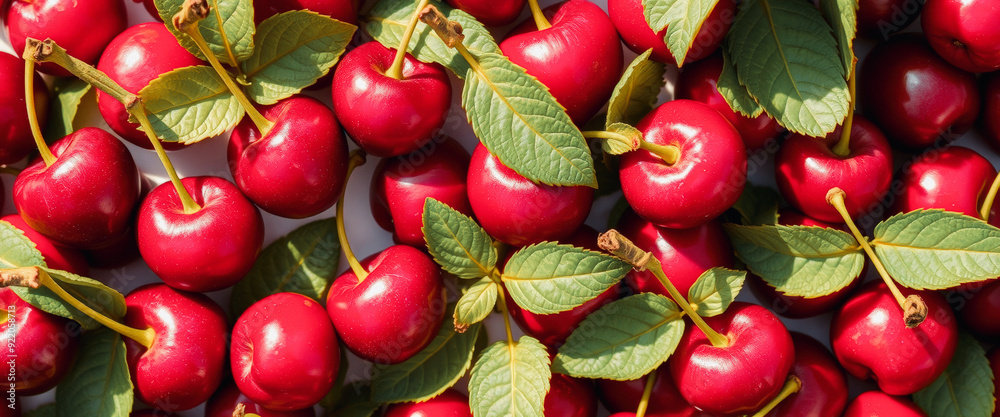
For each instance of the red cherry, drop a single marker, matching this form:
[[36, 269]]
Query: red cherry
[[204, 251], [491, 12], [954, 179], [56, 256], [400, 185], [964, 32], [297, 170], [824, 385], [117, 254], [151, 412], [664, 400], [284, 353], [698, 82], [741, 377], [989, 121], [43, 346], [976, 306], [449, 403], [688, 252], [914, 95], [86, 198], [579, 58], [570, 397], [184, 365], [877, 19], [712, 162], [395, 312], [630, 21], [871, 341], [880, 404], [16, 141], [806, 169], [63, 22], [225, 400], [343, 10], [135, 57], [519, 212], [383, 115]]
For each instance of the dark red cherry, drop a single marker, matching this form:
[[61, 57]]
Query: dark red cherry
[[824, 384], [40, 348], [449, 403], [880, 404], [877, 19], [82, 28], [630, 21], [16, 141], [570, 397], [491, 12]]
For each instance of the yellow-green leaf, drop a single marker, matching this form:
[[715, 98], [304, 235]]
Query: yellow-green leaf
[[190, 104], [681, 18], [510, 379], [228, 29], [636, 93], [476, 304], [965, 389]]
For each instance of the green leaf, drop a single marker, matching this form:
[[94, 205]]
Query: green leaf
[[99, 383], [16, 250], [636, 93], [303, 262], [715, 290], [965, 389], [625, 138], [476, 304], [355, 401], [758, 205], [44, 410], [733, 90], [624, 340], [936, 249], [510, 379], [294, 49], [803, 261], [787, 58], [436, 368], [457, 242], [67, 93], [228, 29], [842, 15], [190, 104], [387, 22], [93, 294], [549, 278], [681, 18], [520, 122]]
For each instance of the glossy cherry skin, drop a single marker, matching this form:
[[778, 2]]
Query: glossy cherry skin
[[395, 312], [570, 397], [42, 345], [964, 32], [623, 397], [16, 141], [871, 341], [284, 353], [491, 12], [699, 82], [976, 306], [688, 252], [56, 256], [383, 115], [880, 404], [806, 168], [204, 251], [86, 198], [739, 378], [135, 57], [184, 366], [877, 19], [519, 212], [63, 22], [917, 98], [954, 179], [630, 21], [297, 170], [579, 58], [342, 10], [712, 162], [989, 121], [400, 185], [449, 403], [824, 384], [225, 400]]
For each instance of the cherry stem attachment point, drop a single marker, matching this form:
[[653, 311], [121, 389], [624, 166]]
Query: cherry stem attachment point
[[35, 277], [357, 159], [646, 393], [502, 298], [792, 385], [450, 33], [536, 12], [843, 146], [914, 308], [618, 245], [991, 195], [186, 21], [396, 70], [29, 101], [668, 153]]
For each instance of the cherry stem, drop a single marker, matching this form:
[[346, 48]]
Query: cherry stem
[[536, 12], [396, 70], [186, 21], [29, 100], [843, 146], [187, 202], [450, 33], [914, 308], [35, 277], [792, 385], [668, 153], [619, 246], [991, 195], [357, 159], [506, 315], [646, 393], [4, 169]]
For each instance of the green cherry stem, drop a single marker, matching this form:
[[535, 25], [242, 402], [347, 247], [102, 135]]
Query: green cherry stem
[[792, 385], [618, 245], [668, 153], [843, 146], [536, 12], [991, 195], [396, 70], [646, 393], [4, 169], [35, 277], [186, 21], [135, 108], [914, 308], [357, 159], [29, 100], [502, 302]]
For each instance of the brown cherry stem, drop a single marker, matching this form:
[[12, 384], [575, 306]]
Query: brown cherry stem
[[35, 277], [843, 146], [914, 308], [618, 245], [396, 70], [450, 33], [792, 385], [357, 159], [536, 13], [29, 100], [502, 298], [4, 169], [991, 195], [646, 393]]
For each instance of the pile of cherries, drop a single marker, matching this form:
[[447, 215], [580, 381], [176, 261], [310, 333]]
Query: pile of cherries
[[86, 205]]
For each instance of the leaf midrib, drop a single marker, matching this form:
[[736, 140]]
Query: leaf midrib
[[468, 254], [263, 65], [877, 243], [301, 260], [766, 8]]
